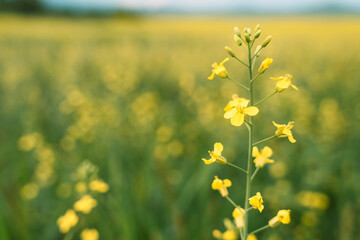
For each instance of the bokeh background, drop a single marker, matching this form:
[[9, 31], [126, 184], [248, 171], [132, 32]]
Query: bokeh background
[[119, 90]]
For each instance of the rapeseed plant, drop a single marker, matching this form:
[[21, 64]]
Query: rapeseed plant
[[241, 111]]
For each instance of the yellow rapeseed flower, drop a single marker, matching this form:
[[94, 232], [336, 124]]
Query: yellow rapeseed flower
[[283, 216], [85, 204], [238, 215], [99, 185], [257, 202], [66, 222], [284, 82], [216, 155], [285, 131], [265, 65], [252, 237], [237, 109], [89, 234], [262, 157], [227, 235], [219, 70], [221, 185]]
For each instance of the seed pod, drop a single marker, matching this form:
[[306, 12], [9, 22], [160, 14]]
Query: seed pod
[[266, 41], [238, 40], [230, 51]]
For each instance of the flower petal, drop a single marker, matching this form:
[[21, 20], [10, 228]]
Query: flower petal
[[218, 148], [291, 139], [227, 183], [230, 113], [210, 161], [294, 87], [266, 152], [211, 77], [225, 60], [251, 111], [237, 120], [255, 152]]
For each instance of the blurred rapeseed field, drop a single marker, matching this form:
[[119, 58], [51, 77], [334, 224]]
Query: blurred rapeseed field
[[120, 111]]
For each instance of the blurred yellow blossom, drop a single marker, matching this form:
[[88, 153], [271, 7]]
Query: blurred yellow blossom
[[219, 70], [85, 204], [66, 222], [29, 141], [283, 216], [221, 185], [80, 187], [284, 82], [285, 131], [257, 202], [237, 109], [29, 191], [315, 200], [216, 155], [251, 237], [238, 215], [99, 185], [265, 65], [89, 234], [227, 235], [262, 157]]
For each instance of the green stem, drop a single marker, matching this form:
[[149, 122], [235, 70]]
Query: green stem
[[266, 98], [264, 140], [257, 75], [241, 61], [231, 201], [256, 53], [240, 84], [249, 209], [254, 174], [251, 134], [260, 229], [234, 166], [247, 122]]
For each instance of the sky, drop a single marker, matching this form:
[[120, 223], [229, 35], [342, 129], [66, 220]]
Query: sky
[[205, 5]]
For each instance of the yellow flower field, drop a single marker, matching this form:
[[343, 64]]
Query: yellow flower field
[[120, 111]]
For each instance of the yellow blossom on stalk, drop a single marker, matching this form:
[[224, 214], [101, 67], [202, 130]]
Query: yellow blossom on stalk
[[66, 222], [285, 131], [221, 185], [237, 109], [89, 234], [284, 82], [262, 157], [216, 155], [265, 65], [99, 185], [219, 70], [85, 204], [257, 202], [238, 215], [252, 237], [283, 216], [227, 235]]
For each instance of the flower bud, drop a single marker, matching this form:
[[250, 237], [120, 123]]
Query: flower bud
[[238, 40], [265, 65], [230, 51], [247, 38], [248, 31], [266, 41], [257, 51], [257, 28], [257, 33], [237, 31]]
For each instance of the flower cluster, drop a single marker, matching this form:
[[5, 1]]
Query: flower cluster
[[241, 111], [87, 190]]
